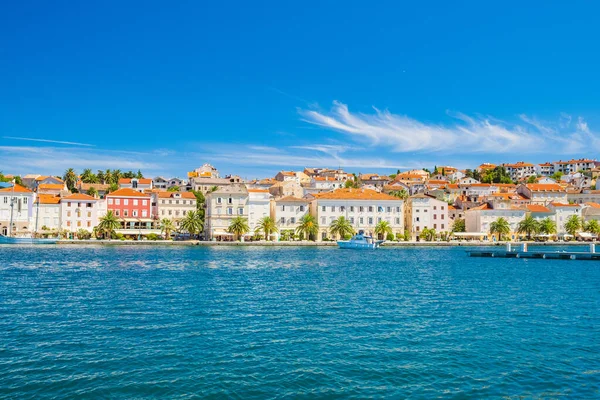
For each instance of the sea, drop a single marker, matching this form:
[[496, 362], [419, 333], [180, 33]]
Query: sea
[[295, 322]]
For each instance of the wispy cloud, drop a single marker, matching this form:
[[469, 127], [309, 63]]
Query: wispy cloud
[[48, 141], [400, 133]]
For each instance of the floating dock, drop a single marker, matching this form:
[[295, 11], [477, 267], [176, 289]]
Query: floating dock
[[524, 253]]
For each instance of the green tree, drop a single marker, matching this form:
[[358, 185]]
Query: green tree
[[341, 227], [383, 229], [139, 174], [108, 224], [167, 226], [287, 234], [308, 227], [267, 226], [113, 187], [573, 225], [192, 223], [592, 227], [238, 227], [428, 234], [547, 226], [401, 194], [3, 178], [532, 179], [459, 225], [500, 227], [82, 234], [173, 189], [101, 177], [557, 175], [18, 180], [88, 176], [528, 226], [70, 178], [92, 192]]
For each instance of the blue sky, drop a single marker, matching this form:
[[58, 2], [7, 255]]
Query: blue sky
[[255, 87]]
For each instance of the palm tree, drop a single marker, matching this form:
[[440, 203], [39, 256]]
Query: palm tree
[[401, 194], [267, 226], [192, 223], [92, 192], [70, 178], [238, 226], [116, 175], [341, 227], [528, 226], [592, 227], [383, 228], [88, 176], [573, 225], [113, 187], [308, 226], [428, 234], [500, 227], [547, 226], [101, 177], [108, 224], [167, 226], [287, 234]]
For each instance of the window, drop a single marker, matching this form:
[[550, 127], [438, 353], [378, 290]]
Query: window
[[125, 202], [89, 214], [229, 210], [68, 213], [379, 209], [397, 221], [170, 201], [117, 201], [162, 212], [230, 200], [434, 216], [370, 208], [24, 200], [78, 223], [134, 213], [361, 209], [170, 212], [352, 220], [443, 226], [323, 208], [135, 202], [125, 213], [283, 208], [332, 208], [442, 207], [434, 226], [442, 216], [435, 207], [144, 213], [417, 210], [397, 209], [144, 202], [351, 208], [302, 208], [378, 219], [323, 220], [68, 223], [417, 219], [69, 204], [370, 220], [293, 220], [241, 211], [361, 220], [117, 213], [219, 200], [89, 224], [389, 209], [282, 221]]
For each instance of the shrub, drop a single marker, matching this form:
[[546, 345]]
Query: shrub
[[347, 237], [390, 237], [152, 236]]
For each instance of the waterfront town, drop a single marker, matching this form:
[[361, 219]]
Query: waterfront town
[[557, 200]]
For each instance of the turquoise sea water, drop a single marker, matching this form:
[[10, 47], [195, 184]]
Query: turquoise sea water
[[132, 322]]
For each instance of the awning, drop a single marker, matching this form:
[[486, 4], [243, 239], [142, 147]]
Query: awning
[[469, 234], [586, 235]]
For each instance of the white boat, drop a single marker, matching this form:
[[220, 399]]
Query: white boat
[[360, 241], [25, 240]]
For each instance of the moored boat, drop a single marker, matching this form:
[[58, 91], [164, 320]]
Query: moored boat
[[26, 240], [360, 241]]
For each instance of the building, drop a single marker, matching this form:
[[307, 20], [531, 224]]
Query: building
[[479, 219], [423, 211], [259, 207], [173, 205], [543, 193], [545, 169], [286, 176], [81, 211], [17, 201], [375, 180], [160, 182], [590, 211], [47, 213], [54, 189], [485, 167], [562, 212], [136, 184], [583, 196], [520, 170], [222, 206], [286, 189], [288, 211], [134, 209], [571, 166], [364, 209], [101, 188]]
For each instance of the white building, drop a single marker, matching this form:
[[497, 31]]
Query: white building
[[80, 211], [46, 213], [519, 170], [423, 211], [137, 184], [479, 219], [173, 205], [363, 208], [543, 193], [259, 206], [562, 212], [288, 211], [222, 206], [18, 202]]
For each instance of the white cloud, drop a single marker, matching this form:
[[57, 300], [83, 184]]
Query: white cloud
[[48, 141], [582, 125], [400, 133]]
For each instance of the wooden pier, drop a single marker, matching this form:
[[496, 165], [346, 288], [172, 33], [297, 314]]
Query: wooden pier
[[524, 253]]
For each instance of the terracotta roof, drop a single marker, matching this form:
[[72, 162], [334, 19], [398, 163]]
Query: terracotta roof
[[488, 185], [292, 199], [17, 189], [484, 206], [593, 205], [287, 173], [487, 166], [519, 164], [79, 196], [51, 186], [544, 187], [451, 207], [537, 208], [143, 181], [324, 178], [168, 195], [48, 199], [127, 192], [545, 165], [452, 186], [354, 194], [565, 205], [437, 182], [258, 191], [101, 187]]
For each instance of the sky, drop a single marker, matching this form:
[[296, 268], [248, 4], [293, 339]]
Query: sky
[[257, 87]]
